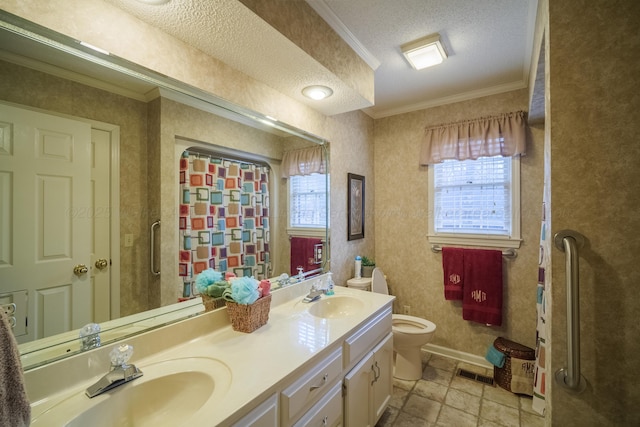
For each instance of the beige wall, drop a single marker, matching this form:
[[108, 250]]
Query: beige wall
[[592, 125], [351, 136], [401, 214], [35, 89]]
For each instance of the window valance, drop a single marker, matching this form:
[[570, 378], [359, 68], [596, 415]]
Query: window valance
[[502, 135], [304, 162]]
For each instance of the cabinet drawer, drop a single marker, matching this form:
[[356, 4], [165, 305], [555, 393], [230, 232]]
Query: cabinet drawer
[[369, 335], [327, 412], [264, 415], [310, 387]]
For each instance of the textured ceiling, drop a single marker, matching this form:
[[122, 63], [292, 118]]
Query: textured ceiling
[[229, 31], [489, 44]]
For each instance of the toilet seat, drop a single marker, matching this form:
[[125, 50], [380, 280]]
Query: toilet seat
[[411, 325]]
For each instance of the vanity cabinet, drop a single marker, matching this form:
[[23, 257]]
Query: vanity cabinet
[[369, 386], [349, 383], [343, 379]]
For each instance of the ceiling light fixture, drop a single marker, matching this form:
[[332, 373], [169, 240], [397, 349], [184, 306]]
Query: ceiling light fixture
[[424, 52], [317, 92]]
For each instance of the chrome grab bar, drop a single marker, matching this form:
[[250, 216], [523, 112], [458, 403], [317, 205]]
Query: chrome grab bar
[[152, 250], [569, 241]]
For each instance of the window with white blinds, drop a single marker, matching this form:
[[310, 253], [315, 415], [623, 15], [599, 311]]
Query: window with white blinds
[[308, 201], [475, 199]]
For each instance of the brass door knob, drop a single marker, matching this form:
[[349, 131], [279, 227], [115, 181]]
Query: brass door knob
[[80, 269], [101, 263]]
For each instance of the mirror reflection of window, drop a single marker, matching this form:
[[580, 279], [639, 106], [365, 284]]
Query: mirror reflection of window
[[306, 172], [308, 201]]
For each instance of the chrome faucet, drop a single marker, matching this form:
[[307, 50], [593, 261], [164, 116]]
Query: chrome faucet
[[89, 336], [314, 294], [120, 372]]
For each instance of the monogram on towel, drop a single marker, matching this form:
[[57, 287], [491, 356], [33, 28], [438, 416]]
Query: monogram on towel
[[453, 266], [482, 291]]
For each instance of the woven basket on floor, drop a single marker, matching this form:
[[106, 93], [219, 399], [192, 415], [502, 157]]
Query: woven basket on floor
[[249, 317], [502, 376]]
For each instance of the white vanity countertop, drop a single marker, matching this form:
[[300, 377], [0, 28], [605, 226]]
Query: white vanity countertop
[[258, 361]]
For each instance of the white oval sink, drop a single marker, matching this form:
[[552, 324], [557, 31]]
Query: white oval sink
[[335, 307], [169, 393]]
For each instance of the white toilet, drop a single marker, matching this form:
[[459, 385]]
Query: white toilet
[[410, 333]]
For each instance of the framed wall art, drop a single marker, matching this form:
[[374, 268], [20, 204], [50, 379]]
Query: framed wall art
[[355, 207]]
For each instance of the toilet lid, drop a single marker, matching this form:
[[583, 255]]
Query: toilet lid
[[378, 282]]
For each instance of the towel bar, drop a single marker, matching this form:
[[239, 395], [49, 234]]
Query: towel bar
[[507, 253]]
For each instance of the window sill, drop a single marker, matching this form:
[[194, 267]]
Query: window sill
[[307, 232], [474, 240]]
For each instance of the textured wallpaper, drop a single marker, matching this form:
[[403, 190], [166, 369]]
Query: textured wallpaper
[[414, 272], [592, 121]]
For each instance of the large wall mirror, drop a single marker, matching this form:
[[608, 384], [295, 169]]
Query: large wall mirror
[[109, 233]]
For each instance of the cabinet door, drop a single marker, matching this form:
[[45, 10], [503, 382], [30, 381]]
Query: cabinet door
[[383, 371], [357, 383]]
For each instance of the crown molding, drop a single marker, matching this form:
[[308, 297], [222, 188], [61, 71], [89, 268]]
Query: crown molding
[[323, 9], [493, 90]]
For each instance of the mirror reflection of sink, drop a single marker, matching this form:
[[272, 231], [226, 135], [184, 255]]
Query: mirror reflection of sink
[[334, 307], [168, 393]]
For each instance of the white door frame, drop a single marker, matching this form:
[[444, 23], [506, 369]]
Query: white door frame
[[114, 266]]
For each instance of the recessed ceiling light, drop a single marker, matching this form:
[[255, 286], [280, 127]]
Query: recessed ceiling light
[[317, 92], [424, 52]]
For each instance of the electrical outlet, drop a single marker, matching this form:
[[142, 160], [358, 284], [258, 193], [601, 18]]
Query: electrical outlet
[[128, 240], [407, 310]]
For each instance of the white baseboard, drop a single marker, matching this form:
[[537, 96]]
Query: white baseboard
[[458, 355]]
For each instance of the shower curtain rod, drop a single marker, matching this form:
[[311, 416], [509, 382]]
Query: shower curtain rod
[[214, 154]]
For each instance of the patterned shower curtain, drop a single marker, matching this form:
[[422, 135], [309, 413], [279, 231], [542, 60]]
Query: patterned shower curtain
[[224, 217], [540, 378]]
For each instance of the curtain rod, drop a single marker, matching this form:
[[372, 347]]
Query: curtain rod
[[214, 154]]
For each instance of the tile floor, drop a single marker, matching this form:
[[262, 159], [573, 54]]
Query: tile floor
[[441, 398]]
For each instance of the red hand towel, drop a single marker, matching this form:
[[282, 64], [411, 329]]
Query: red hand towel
[[302, 253], [482, 300], [453, 266]]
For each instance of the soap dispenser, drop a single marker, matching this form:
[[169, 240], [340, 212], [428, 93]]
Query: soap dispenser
[[329, 284]]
